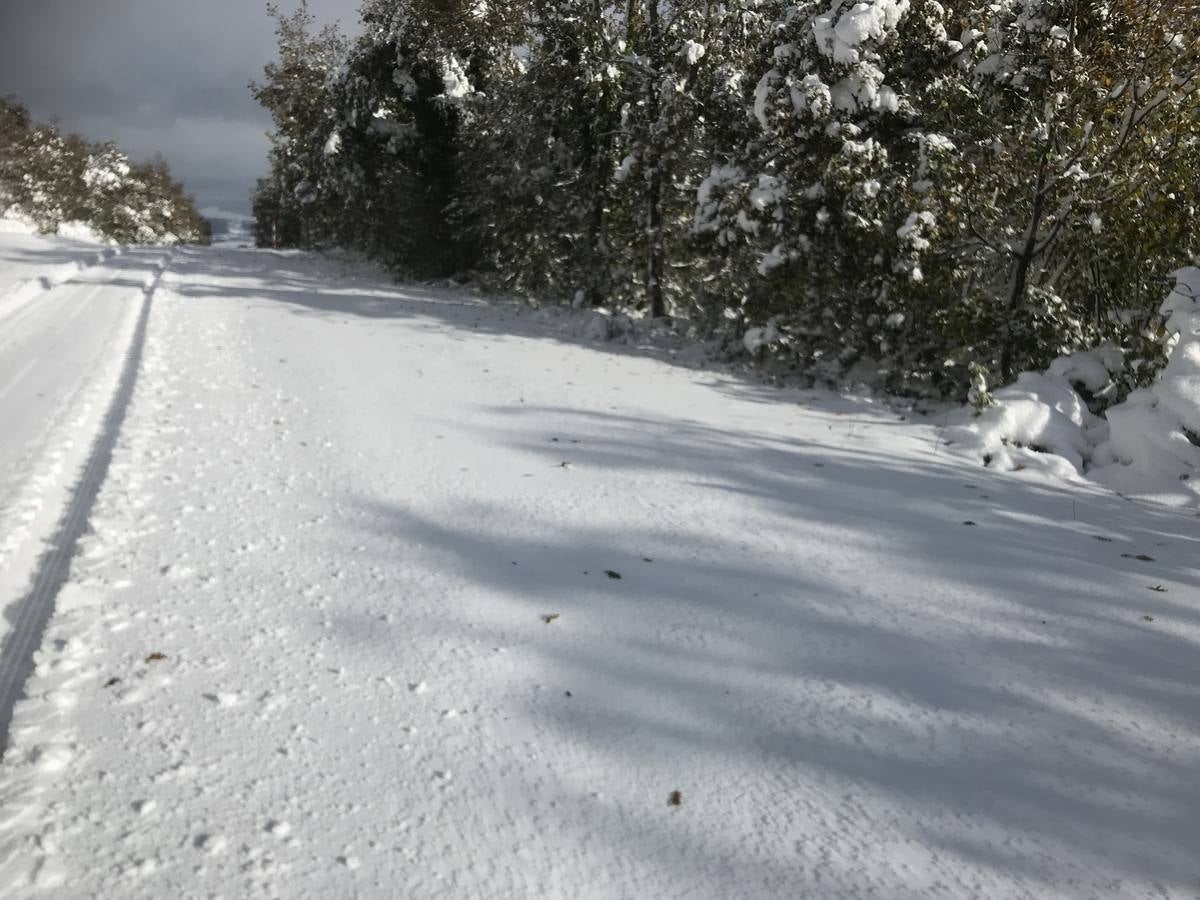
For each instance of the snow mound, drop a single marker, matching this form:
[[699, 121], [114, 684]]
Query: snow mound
[[1040, 422], [1148, 445]]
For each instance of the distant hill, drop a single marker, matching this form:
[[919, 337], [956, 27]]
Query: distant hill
[[227, 226]]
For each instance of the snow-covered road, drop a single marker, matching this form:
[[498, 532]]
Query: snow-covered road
[[62, 309], [67, 310], [391, 593]]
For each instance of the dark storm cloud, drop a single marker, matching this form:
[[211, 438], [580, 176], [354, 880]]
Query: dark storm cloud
[[156, 76]]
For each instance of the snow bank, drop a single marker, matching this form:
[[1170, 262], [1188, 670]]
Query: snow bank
[[81, 231], [14, 221], [14, 224], [1148, 445]]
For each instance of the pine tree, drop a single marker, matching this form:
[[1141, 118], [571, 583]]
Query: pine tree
[[836, 188], [293, 206]]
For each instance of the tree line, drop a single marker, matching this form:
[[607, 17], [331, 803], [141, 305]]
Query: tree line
[[53, 178], [925, 196]]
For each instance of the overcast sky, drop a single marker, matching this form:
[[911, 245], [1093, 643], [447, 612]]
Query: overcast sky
[[155, 76]]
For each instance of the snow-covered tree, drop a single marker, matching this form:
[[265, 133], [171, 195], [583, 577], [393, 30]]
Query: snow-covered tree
[[293, 206], [539, 190], [53, 178], [925, 195], [837, 187], [1078, 128]]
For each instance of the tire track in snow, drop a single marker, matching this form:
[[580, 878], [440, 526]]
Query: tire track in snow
[[34, 609]]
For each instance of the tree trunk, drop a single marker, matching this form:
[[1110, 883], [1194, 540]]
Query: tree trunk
[[1022, 262], [598, 161], [654, 245]]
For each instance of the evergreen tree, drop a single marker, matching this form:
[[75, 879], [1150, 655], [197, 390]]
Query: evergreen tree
[[924, 196]]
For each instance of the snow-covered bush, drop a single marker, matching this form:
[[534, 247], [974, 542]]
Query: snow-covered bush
[[1153, 440], [1147, 444], [1042, 420]]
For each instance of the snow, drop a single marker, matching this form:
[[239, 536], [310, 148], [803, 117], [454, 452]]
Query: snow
[[455, 82], [915, 227], [845, 28], [709, 196], [393, 592], [333, 144], [81, 231], [756, 338], [13, 224]]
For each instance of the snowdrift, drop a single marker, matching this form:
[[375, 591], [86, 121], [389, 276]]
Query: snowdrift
[[1148, 445]]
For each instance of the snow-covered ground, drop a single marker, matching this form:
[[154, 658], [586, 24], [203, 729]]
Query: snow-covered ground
[[392, 593]]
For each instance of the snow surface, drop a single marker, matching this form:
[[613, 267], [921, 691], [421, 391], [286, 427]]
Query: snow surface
[[393, 593]]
